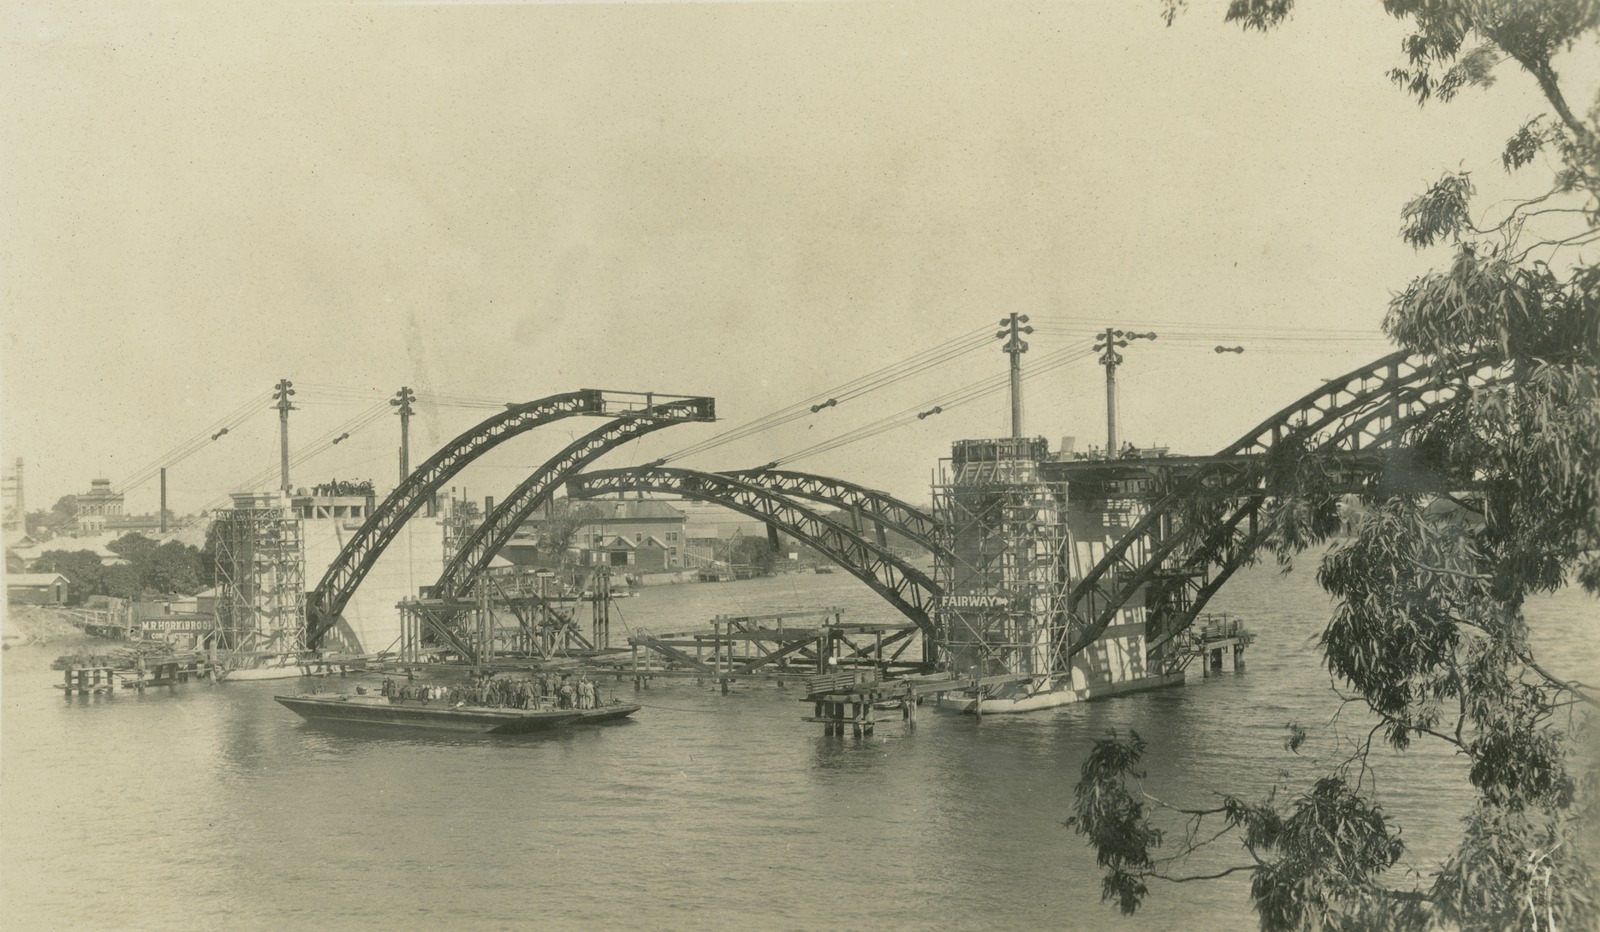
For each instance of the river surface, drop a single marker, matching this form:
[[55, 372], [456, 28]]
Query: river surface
[[211, 807]]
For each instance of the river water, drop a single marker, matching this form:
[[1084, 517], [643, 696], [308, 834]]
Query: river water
[[212, 807]]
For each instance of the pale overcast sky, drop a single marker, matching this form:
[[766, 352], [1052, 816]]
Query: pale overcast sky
[[756, 201]]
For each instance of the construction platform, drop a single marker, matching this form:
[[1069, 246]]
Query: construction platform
[[132, 668], [774, 646]]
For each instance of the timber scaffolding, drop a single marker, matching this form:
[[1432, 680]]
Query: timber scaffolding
[[779, 647], [261, 592], [514, 617], [134, 668], [776, 647], [1003, 533]]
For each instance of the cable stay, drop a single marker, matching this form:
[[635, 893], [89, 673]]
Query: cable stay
[[436, 399], [905, 368], [967, 393], [307, 452], [183, 451], [1073, 324]]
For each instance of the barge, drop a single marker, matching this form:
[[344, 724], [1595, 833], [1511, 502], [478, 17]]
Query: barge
[[440, 716]]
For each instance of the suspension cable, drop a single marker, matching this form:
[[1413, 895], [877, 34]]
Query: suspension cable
[[178, 454], [888, 375], [960, 396]]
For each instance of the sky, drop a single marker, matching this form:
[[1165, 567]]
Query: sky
[[759, 202]]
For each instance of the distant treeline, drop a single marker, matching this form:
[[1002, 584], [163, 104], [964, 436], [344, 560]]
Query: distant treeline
[[152, 569]]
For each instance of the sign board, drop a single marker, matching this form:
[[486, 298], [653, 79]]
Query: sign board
[[195, 625]]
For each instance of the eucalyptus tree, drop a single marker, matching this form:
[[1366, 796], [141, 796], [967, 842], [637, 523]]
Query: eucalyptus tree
[[1501, 502]]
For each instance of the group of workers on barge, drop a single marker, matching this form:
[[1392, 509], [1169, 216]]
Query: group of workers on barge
[[544, 690]]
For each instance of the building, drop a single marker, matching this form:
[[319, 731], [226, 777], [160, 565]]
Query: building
[[101, 511], [708, 522], [36, 589], [638, 553], [649, 536], [95, 506]]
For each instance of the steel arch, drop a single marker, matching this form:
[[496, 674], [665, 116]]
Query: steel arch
[[472, 558], [1366, 409], [905, 587], [358, 556], [883, 509]]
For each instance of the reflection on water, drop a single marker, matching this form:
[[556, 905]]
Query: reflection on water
[[215, 807]]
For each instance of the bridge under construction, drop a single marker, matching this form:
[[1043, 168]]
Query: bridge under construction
[[1056, 576]]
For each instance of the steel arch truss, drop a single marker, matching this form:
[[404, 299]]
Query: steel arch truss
[[1367, 411], [905, 587], [339, 583], [473, 557], [881, 509]]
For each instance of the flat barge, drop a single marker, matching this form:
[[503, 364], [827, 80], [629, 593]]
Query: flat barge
[[432, 714]]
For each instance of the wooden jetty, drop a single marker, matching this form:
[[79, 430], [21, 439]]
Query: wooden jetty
[[133, 668], [854, 699], [1217, 637]]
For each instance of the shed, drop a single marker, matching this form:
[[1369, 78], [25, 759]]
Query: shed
[[36, 589]]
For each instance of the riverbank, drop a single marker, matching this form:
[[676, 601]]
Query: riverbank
[[38, 624]]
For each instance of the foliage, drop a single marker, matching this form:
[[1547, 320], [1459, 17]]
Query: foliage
[[83, 569], [1496, 499], [755, 552], [563, 521], [151, 569], [167, 567], [1115, 820], [63, 514]]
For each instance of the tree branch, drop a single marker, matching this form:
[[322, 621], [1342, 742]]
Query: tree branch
[[1570, 686], [1444, 572], [1231, 870], [1577, 239], [1546, 76]]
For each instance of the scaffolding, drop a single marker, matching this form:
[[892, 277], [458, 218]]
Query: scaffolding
[[1004, 582], [511, 614], [261, 588], [462, 517]]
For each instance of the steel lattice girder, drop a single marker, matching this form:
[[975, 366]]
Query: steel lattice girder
[[476, 552], [1346, 406], [880, 507], [339, 583], [907, 588], [1241, 545]]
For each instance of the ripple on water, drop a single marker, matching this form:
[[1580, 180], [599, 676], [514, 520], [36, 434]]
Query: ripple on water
[[213, 807]]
